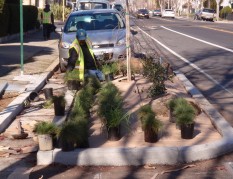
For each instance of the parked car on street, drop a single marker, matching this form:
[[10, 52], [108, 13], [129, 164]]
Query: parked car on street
[[105, 28], [168, 13], [142, 13], [92, 4], [157, 12], [118, 7], [205, 14]]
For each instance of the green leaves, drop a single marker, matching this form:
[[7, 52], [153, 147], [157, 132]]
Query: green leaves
[[156, 74], [148, 119], [45, 128]]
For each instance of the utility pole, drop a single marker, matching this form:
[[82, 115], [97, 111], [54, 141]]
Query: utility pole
[[217, 10], [63, 10], [128, 51], [21, 37]]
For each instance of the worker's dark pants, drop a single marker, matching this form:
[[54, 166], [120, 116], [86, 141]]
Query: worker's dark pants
[[46, 31]]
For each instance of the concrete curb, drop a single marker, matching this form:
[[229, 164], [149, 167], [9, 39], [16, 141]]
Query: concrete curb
[[16, 106], [3, 86], [150, 155]]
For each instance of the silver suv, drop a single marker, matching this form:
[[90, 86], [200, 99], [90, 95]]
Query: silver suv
[[205, 14], [105, 28]]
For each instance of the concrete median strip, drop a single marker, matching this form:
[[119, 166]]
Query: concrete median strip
[[16, 106], [150, 155]]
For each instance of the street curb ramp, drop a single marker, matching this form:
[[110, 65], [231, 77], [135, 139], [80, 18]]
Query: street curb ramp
[[16, 106], [151, 155]]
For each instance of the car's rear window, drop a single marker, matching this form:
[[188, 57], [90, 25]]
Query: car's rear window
[[91, 5], [143, 10], [97, 21], [209, 10], [168, 10]]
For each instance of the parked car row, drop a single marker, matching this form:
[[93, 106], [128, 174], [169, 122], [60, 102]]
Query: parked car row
[[144, 13]]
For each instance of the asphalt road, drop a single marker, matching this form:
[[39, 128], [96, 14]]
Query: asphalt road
[[203, 51]]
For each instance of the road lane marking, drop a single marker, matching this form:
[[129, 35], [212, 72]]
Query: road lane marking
[[188, 62], [203, 41], [221, 30]]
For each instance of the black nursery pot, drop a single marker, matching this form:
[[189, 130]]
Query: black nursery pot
[[109, 77], [67, 146], [48, 93], [59, 107], [114, 133], [73, 84], [150, 136], [187, 131]]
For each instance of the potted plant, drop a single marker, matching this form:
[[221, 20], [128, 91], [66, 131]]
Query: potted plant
[[48, 93], [111, 111], [172, 104], [68, 135], [185, 114], [143, 111], [72, 81], [109, 70], [59, 105], [150, 124], [46, 131]]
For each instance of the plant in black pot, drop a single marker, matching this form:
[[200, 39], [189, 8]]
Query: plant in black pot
[[72, 81], [111, 110], [185, 114], [109, 70], [172, 105], [46, 132], [143, 111], [59, 105], [150, 124], [68, 135]]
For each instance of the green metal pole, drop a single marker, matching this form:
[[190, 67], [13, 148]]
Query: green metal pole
[[21, 36]]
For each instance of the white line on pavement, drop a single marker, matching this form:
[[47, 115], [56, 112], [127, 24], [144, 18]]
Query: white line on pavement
[[188, 62], [209, 43]]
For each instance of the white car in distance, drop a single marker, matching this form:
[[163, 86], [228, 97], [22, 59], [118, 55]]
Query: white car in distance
[[168, 13]]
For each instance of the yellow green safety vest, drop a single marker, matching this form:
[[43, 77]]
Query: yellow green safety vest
[[79, 65], [46, 17]]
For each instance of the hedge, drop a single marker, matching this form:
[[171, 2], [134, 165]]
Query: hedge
[[10, 19], [4, 21], [225, 11]]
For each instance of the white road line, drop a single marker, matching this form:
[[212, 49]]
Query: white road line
[[209, 43], [188, 62]]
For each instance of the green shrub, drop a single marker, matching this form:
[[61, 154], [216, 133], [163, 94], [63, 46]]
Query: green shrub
[[45, 128], [156, 74], [184, 113], [225, 11], [110, 107], [4, 21], [30, 14], [109, 68], [1, 5], [175, 102], [58, 11], [72, 132], [144, 111], [151, 123]]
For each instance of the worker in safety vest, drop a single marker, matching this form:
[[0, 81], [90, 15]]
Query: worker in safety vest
[[81, 57], [47, 19]]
